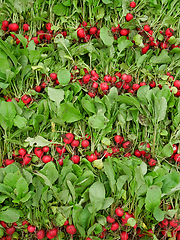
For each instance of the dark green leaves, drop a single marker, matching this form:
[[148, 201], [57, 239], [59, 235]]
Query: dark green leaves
[[68, 113]]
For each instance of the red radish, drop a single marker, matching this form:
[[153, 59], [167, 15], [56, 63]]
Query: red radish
[[93, 30], [84, 24], [66, 223], [175, 148], [68, 138], [165, 222], [40, 234], [8, 237], [102, 235], [124, 235], [171, 77], [43, 85], [146, 28], [53, 76], [104, 86], [3, 224], [75, 159], [91, 94], [169, 32], [119, 211], [127, 216], [4, 28], [118, 139], [13, 27], [27, 158], [25, 223], [31, 228], [151, 39], [26, 99], [129, 17], [152, 162], [87, 38], [45, 149], [127, 155], [40, 34], [113, 29], [177, 84], [86, 78], [60, 149], [71, 229], [85, 70], [25, 27], [48, 26], [126, 86], [107, 154], [88, 238], [124, 77], [10, 230], [37, 88], [135, 86], [113, 80], [118, 74], [145, 49], [46, 158], [119, 84], [7, 162], [22, 151], [126, 144], [81, 33], [14, 224], [107, 78], [52, 233], [142, 84], [115, 150], [110, 219], [132, 4], [177, 157], [174, 223], [35, 39], [85, 143], [91, 157], [5, 23], [75, 143], [152, 84], [164, 45], [124, 32], [60, 161], [115, 226], [95, 85], [39, 152], [57, 82]]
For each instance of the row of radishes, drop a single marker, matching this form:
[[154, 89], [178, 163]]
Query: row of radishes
[[117, 150]]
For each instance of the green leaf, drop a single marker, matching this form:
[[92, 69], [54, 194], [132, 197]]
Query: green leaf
[[98, 121], [129, 100], [59, 9], [160, 108], [162, 58], [141, 94], [138, 40], [8, 52], [72, 190], [50, 171], [110, 174], [107, 1], [68, 113], [22, 39], [20, 122], [158, 214], [153, 198], [107, 202], [167, 150], [124, 43], [106, 36], [97, 195], [64, 76], [8, 110], [11, 179], [10, 215], [88, 105], [131, 222], [56, 95], [21, 188]]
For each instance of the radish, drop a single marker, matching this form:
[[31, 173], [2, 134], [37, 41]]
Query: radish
[[75, 159], [146, 28], [4, 28], [95, 85], [7, 162], [25, 27], [75, 143], [52, 233], [174, 223], [104, 86], [113, 80], [68, 138], [60, 149], [102, 235], [92, 157], [48, 26], [87, 38], [85, 143], [92, 94], [132, 4], [126, 86], [137, 153], [127, 155], [84, 24], [119, 84], [107, 78], [145, 49], [46, 158], [81, 33], [5, 23], [127, 216], [177, 84], [115, 226], [152, 162], [43, 85], [40, 234], [71, 229], [60, 161], [40, 34], [31, 228], [175, 148], [22, 152], [45, 149], [126, 144], [66, 223], [113, 29], [93, 30], [107, 154], [118, 139], [25, 223], [10, 230], [14, 224], [124, 235], [26, 99], [164, 45], [88, 238], [169, 32], [115, 150], [110, 219], [8, 237], [3, 224], [152, 84], [39, 152], [27, 158], [124, 77], [13, 27], [37, 89], [86, 78], [118, 74], [35, 39], [129, 17], [135, 86], [124, 32]]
